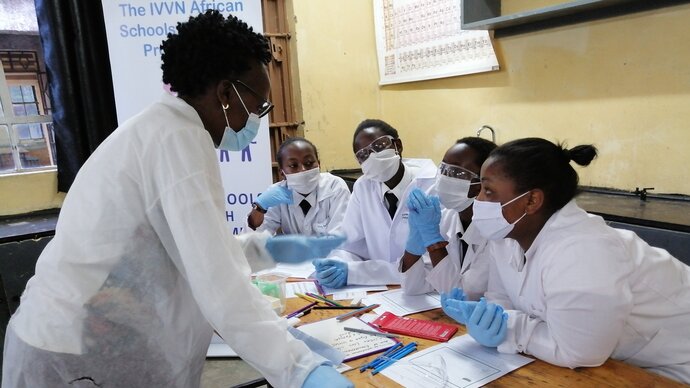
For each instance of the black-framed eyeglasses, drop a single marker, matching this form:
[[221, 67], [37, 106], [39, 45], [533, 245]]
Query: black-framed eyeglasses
[[265, 107], [378, 145]]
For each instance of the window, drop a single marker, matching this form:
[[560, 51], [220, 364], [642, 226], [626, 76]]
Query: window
[[26, 130]]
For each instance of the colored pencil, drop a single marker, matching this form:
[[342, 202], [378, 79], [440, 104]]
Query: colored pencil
[[372, 332], [356, 312], [307, 307]]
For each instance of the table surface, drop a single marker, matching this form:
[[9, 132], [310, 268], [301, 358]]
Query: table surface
[[538, 373]]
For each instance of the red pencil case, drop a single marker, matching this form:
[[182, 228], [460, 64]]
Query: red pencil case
[[412, 327]]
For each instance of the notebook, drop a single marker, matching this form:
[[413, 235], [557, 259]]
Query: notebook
[[435, 331], [353, 345]]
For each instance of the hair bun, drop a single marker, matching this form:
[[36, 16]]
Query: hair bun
[[582, 154]]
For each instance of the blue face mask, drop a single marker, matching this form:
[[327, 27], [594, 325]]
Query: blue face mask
[[237, 141]]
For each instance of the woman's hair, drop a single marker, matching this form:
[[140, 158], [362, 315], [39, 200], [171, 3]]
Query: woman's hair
[[534, 163], [287, 142], [375, 123], [480, 145], [208, 48]]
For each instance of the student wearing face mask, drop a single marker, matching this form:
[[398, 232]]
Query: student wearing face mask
[[307, 201], [375, 222], [565, 287], [443, 251]]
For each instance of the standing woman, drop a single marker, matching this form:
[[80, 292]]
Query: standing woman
[[143, 267], [575, 291]]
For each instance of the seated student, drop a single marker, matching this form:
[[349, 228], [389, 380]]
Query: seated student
[[575, 291], [307, 201], [375, 222], [458, 258]]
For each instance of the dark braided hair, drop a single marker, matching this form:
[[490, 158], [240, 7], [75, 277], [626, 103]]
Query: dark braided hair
[[208, 48], [534, 163]]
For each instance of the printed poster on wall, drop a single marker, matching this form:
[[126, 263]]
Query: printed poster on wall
[[135, 30], [422, 39]]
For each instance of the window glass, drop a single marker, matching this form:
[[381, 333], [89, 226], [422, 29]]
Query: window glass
[[6, 159], [33, 151]]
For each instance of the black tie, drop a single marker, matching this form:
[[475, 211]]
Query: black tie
[[392, 203], [463, 249], [305, 206]]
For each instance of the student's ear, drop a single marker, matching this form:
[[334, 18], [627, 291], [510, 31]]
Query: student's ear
[[223, 92], [535, 201]]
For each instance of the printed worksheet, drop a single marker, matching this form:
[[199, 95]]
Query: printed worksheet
[[400, 304], [458, 363]]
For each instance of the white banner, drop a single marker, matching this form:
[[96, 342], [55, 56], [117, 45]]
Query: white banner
[[135, 30]]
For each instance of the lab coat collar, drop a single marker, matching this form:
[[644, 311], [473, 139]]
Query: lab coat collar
[[400, 188], [180, 104], [564, 217], [321, 193]]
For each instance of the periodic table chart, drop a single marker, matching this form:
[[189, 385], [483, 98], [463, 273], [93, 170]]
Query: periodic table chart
[[422, 39]]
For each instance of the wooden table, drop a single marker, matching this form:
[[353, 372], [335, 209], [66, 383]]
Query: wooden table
[[538, 373]]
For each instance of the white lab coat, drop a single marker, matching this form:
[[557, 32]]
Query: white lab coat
[[143, 268], [587, 292], [375, 243], [472, 277], [324, 217]]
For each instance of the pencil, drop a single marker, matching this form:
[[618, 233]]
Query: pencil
[[331, 302], [356, 312], [337, 307], [307, 307], [371, 332], [309, 298]]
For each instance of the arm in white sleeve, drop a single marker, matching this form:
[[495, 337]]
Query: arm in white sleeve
[[495, 292], [587, 300], [254, 248], [414, 280], [213, 263], [338, 207], [372, 272], [446, 274]]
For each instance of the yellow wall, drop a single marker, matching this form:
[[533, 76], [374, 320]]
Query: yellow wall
[[621, 83], [29, 192]]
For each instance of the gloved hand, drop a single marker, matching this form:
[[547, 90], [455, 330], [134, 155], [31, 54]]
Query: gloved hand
[[488, 324], [425, 216], [294, 248], [456, 306], [326, 376], [414, 243], [273, 196], [331, 273]]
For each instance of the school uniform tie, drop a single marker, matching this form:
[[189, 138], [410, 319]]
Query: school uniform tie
[[463, 248], [305, 205], [392, 203]]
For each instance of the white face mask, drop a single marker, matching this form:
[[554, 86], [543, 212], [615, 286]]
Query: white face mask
[[303, 182], [381, 166], [489, 220], [452, 192]]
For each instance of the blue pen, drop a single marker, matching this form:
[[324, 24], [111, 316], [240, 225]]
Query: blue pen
[[383, 359], [394, 358], [379, 358]]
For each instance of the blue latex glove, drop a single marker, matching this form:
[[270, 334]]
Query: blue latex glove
[[425, 216], [488, 324], [326, 376], [273, 196], [414, 243], [295, 248], [331, 273], [456, 306]]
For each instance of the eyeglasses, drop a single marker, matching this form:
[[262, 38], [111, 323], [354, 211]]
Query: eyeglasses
[[265, 107], [457, 172], [378, 145]]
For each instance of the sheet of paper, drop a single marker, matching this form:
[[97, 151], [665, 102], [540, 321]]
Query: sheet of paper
[[458, 363], [218, 348], [300, 287], [300, 270], [353, 345], [350, 292], [400, 304]]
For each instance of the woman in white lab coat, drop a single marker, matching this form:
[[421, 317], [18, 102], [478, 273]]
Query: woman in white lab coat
[[375, 221], [462, 262], [307, 201], [143, 267], [575, 291]]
